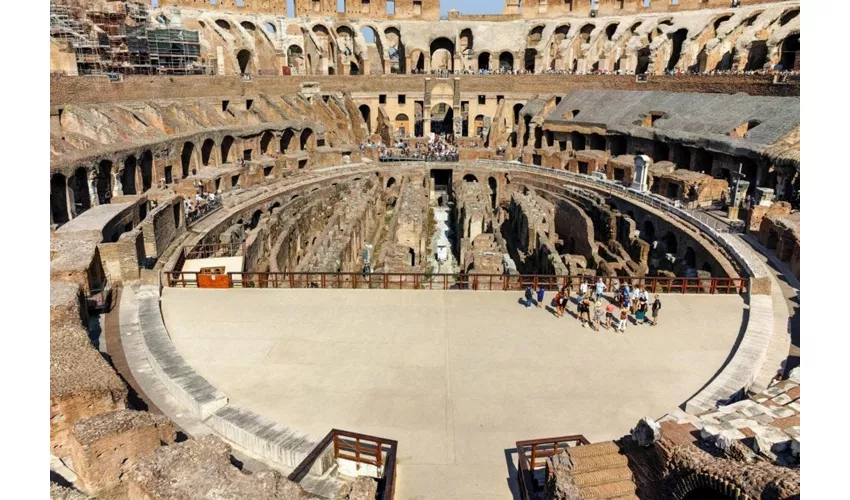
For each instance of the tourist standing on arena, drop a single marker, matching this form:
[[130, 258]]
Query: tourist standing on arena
[[597, 314], [540, 293], [584, 311], [656, 306], [559, 311], [610, 310], [624, 316], [600, 288], [529, 296]]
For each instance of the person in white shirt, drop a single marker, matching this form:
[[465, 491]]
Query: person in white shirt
[[582, 288]]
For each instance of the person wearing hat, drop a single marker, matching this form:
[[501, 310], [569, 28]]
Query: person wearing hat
[[597, 314]]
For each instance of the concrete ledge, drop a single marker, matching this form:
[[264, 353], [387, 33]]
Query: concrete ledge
[[265, 438], [189, 388], [741, 371]]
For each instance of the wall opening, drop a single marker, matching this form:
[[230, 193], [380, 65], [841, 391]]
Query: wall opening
[[226, 146], [59, 199], [80, 188], [243, 57], [103, 182], [128, 176]]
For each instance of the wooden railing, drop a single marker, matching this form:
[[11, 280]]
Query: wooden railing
[[361, 449], [499, 282], [533, 453]]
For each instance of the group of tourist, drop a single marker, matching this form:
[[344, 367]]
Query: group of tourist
[[435, 148], [201, 205], [590, 309]]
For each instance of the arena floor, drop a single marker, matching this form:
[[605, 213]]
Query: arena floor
[[456, 377]]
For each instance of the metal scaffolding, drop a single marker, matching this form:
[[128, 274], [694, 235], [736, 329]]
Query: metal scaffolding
[[117, 38]]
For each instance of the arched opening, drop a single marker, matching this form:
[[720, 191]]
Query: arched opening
[[670, 244], [395, 50], [550, 138], [597, 142], [308, 140], [221, 23], [642, 61], [466, 41], [690, 258], [80, 188], [513, 139], [484, 61], [506, 61], [610, 30], [534, 36], [402, 124], [478, 126], [419, 61], [366, 113], [758, 55], [470, 178], [59, 199], [788, 16], [265, 140], [578, 141], [442, 118], [706, 266], [226, 146], [517, 109], [295, 57], [442, 54], [243, 57], [584, 33], [147, 170], [530, 57], [527, 120], [286, 139], [103, 182], [390, 182], [678, 38], [128, 176], [493, 186], [648, 232], [374, 55], [186, 158], [538, 138], [206, 151], [412, 256], [790, 52], [255, 219], [249, 26], [720, 20], [353, 68], [618, 145]]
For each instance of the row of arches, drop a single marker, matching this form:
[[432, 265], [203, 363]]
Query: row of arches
[[71, 196]]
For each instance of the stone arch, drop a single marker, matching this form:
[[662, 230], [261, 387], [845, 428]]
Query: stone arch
[[286, 140], [395, 50], [226, 148], [265, 140], [690, 258], [720, 20], [255, 219], [402, 124], [147, 170], [789, 51], [128, 175], [412, 255], [295, 58], [706, 266], [757, 57], [484, 60], [221, 23], [506, 61], [788, 15], [308, 140], [530, 59], [442, 54], [491, 182], [80, 188], [390, 182], [538, 138], [678, 38], [59, 198], [535, 35], [186, 158], [610, 30], [366, 113], [369, 32], [466, 40], [517, 109], [245, 60], [643, 60], [417, 59], [671, 245], [470, 178], [103, 182], [585, 31], [206, 151]]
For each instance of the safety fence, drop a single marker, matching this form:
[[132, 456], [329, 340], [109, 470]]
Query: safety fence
[[421, 281], [531, 457], [369, 455]]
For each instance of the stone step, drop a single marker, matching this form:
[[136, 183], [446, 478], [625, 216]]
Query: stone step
[[609, 491], [591, 450], [599, 462], [597, 477]]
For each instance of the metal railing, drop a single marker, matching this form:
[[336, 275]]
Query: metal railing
[[361, 449], [202, 211], [451, 158], [497, 282], [207, 250], [528, 453]]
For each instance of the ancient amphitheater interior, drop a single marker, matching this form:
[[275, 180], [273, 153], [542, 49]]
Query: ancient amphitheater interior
[[372, 249]]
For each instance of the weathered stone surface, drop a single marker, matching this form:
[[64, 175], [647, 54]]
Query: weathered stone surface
[[58, 492], [201, 468], [559, 481], [104, 447], [646, 432], [362, 488]]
